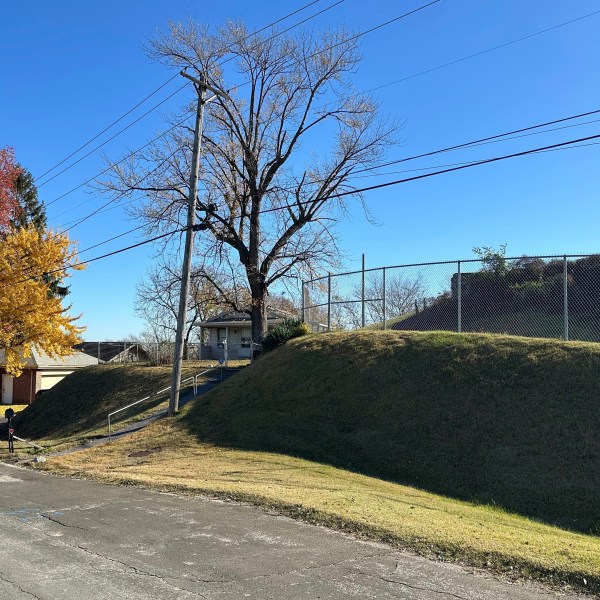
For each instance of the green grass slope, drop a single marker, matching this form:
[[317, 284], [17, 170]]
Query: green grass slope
[[500, 420], [81, 402]]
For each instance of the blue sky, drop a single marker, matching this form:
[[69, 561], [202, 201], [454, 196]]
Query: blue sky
[[71, 68]]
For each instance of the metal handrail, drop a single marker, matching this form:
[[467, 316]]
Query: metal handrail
[[193, 379], [212, 368]]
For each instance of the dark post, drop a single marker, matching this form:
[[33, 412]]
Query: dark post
[[459, 299], [9, 413], [329, 301], [565, 299], [384, 306]]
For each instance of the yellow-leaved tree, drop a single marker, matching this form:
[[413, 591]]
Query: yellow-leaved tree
[[30, 315]]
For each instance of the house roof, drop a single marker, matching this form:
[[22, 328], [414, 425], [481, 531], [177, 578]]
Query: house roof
[[40, 360], [234, 317]]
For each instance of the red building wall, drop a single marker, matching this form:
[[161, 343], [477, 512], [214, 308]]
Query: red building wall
[[25, 386]]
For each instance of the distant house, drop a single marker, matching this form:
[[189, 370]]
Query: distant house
[[41, 372], [236, 328], [114, 352]]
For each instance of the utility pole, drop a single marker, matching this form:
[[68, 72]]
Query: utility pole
[[201, 88]]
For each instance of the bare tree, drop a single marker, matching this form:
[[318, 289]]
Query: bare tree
[[277, 152], [157, 301], [401, 294]]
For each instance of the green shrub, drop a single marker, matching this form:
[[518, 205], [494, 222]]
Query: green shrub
[[286, 330], [301, 329]]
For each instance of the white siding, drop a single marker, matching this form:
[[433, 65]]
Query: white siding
[[51, 378]]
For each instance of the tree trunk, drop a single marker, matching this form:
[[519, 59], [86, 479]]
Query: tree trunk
[[259, 309]]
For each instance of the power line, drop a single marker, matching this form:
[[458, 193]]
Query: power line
[[426, 175], [375, 28], [359, 35], [116, 237], [112, 137], [119, 251], [123, 194], [108, 127], [277, 34], [473, 143], [372, 175], [460, 146], [272, 24], [470, 162], [112, 165], [454, 62], [142, 243], [338, 195], [484, 140], [500, 137]]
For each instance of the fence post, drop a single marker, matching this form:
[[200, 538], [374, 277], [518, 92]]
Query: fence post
[[459, 298], [384, 315], [329, 301], [362, 293], [565, 300]]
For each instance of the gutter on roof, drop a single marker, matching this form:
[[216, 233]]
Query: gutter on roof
[[247, 323]]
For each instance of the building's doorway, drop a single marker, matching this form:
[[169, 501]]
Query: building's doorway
[[7, 389]]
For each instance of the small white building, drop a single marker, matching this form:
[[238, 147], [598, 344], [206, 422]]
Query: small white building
[[236, 328]]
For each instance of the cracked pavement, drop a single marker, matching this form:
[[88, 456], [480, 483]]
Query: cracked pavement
[[72, 539]]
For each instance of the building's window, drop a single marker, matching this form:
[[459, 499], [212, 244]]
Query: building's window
[[221, 333], [246, 342]]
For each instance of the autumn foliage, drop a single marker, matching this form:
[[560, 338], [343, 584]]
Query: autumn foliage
[[29, 314], [9, 172]]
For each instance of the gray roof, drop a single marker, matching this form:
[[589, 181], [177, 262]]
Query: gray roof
[[40, 360], [238, 318]]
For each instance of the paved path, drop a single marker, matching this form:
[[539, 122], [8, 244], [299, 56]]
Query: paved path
[[67, 539]]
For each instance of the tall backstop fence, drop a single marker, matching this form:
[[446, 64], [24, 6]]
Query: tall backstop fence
[[533, 296]]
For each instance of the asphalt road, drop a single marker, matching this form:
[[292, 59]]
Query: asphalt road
[[64, 539]]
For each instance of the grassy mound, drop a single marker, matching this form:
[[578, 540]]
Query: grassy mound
[[500, 420], [81, 402]]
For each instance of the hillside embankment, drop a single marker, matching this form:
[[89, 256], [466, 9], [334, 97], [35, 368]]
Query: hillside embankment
[[502, 420]]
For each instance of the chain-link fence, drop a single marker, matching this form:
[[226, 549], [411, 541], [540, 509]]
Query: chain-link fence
[[156, 353], [539, 296]]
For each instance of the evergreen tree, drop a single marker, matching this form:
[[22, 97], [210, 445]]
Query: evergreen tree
[[32, 211]]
